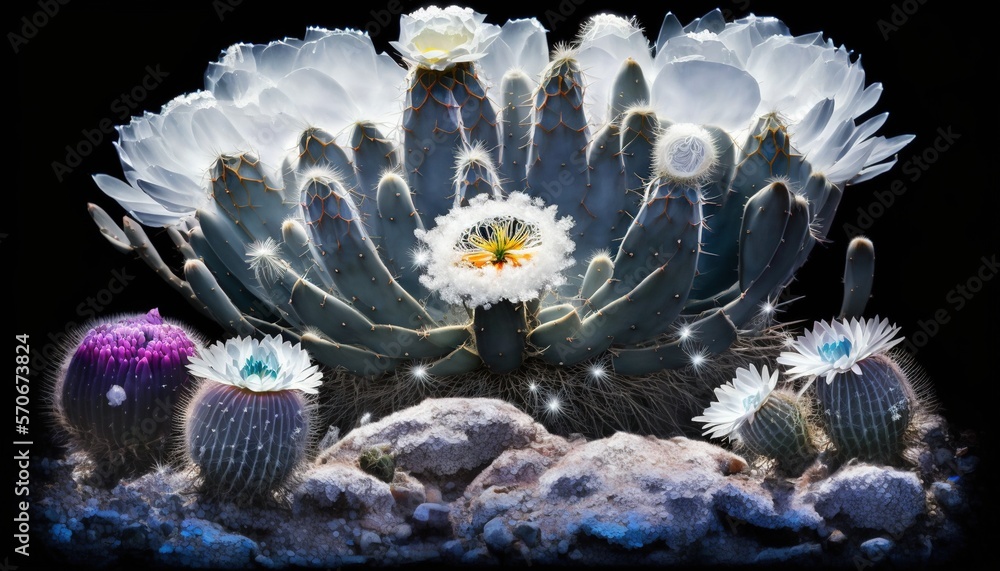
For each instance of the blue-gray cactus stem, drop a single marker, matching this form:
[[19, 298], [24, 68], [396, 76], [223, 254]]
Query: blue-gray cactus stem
[[859, 273], [318, 148], [779, 431], [598, 208], [228, 246], [208, 291], [358, 361], [515, 127], [649, 283], [765, 156], [600, 269], [374, 155], [349, 256], [867, 414], [716, 189], [246, 444], [297, 246], [557, 153], [399, 220], [475, 174], [459, 362], [242, 192], [629, 88], [109, 228], [432, 135], [668, 224], [247, 300], [500, 330], [712, 333], [775, 229], [343, 323], [479, 119], [638, 136]]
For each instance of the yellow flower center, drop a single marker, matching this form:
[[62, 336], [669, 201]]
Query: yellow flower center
[[498, 242]]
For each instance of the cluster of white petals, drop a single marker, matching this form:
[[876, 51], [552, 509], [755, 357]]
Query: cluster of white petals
[[438, 38], [729, 74], [257, 99], [835, 347], [259, 365], [738, 401]]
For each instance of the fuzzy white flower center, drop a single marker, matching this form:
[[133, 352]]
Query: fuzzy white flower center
[[685, 153]]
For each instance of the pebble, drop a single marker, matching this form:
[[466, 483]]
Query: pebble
[[432, 515], [528, 532], [877, 548], [369, 540], [497, 535]]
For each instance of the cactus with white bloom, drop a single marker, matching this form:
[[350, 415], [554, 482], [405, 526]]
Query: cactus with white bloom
[[248, 427], [493, 221]]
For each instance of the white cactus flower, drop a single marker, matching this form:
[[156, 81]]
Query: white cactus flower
[[829, 349], [259, 365], [491, 250], [738, 401], [438, 38]]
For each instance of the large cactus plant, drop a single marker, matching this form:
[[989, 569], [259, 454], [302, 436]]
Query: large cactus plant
[[598, 234]]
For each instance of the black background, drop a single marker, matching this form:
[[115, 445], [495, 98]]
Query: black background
[[934, 60]]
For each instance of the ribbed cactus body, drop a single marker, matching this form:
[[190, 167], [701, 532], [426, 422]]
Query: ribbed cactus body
[[779, 430], [245, 443], [374, 155], [557, 153], [516, 91], [432, 135], [118, 392], [867, 414]]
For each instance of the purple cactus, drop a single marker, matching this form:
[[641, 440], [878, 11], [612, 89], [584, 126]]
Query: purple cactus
[[117, 393]]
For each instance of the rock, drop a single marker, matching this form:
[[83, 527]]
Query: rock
[[948, 496], [432, 516], [206, 544], [441, 436], [368, 541], [877, 549], [836, 537], [633, 491], [344, 486], [453, 549], [528, 533], [497, 535], [872, 497]]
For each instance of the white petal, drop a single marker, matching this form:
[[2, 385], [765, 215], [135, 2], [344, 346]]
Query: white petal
[[706, 93]]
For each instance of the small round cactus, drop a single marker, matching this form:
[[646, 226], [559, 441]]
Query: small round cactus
[[866, 399], [779, 430], [118, 391], [764, 421], [867, 413], [248, 426]]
